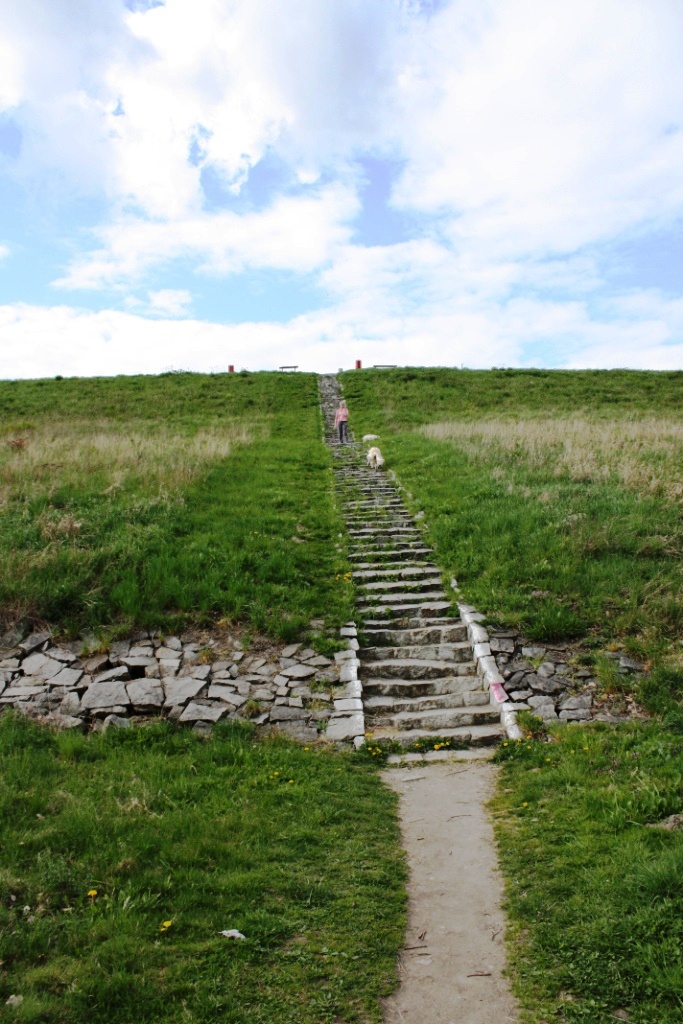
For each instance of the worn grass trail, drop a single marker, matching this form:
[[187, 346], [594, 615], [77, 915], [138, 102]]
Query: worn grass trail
[[453, 961]]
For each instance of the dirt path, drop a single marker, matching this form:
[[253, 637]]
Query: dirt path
[[451, 967]]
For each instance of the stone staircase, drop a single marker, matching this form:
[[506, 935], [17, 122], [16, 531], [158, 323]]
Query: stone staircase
[[417, 665]]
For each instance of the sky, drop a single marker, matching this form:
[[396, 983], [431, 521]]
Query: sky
[[193, 184]]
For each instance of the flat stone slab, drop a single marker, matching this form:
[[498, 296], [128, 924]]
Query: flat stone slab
[[348, 704], [71, 705], [202, 713], [349, 671], [22, 692], [283, 713], [33, 641], [112, 674], [105, 695], [298, 672], [65, 721], [345, 727], [180, 691], [61, 654], [41, 665], [145, 693], [68, 677], [298, 731]]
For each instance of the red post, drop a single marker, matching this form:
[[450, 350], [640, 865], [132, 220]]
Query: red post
[[231, 368], [358, 364]]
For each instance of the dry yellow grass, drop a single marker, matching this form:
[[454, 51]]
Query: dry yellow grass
[[107, 457], [644, 455]]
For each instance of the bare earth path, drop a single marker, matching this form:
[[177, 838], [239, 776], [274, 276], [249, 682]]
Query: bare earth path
[[451, 967]]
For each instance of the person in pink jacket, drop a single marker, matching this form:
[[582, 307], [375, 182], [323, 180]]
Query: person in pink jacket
[[341, 421]]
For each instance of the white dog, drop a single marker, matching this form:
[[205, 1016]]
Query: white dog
[[375, 458]]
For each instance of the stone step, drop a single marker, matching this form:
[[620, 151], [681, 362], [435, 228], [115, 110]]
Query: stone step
[[407, 625], [473, 736], [460, 652], [399, 571], [437, 686], [368, 558], [402, 597], [384, 546], [392, 611], [449, 718], [383, 710], [403, 586], [402, 533], [379, 522], [370, 504], [408, 668]]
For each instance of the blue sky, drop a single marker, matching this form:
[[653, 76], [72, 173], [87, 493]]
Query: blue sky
[[190, 183]]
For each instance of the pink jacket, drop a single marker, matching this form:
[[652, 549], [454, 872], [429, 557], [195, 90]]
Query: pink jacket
[[341, 416]]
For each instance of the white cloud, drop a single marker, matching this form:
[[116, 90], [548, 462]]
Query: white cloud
[[295, 233], [166, 302], [4, 251], [544, 127], [116, 99]]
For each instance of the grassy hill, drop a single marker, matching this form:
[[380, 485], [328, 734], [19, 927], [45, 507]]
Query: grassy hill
[[553, 497], [154, 501]]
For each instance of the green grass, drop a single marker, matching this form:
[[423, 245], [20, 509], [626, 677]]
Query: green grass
[[296, 848], [553, 497], [593, 894], [157, 501]]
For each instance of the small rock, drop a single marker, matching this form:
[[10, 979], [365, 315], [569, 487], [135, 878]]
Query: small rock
[[345, 727], [145, 695], [96, 663], [202, 729], [540, 685], [68, 677], [40, 665], [60, 654], [116, 722], [195, 712], [533, 652], [539, 702], [576, 703], [112, 674], [284, 714], [71, 705], [109, 694], [179, 691], [500, 645], [33, 642], [298, 672]]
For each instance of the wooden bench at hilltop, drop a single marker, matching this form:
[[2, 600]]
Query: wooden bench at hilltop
[[288, 367]]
